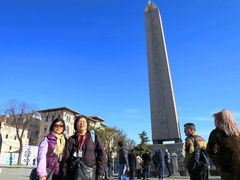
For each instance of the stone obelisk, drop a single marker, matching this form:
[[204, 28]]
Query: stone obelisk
[[164, 119]]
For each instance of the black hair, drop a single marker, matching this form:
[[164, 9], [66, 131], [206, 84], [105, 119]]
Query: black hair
[[55, 121], [77, 119], [121, 143], [191, 126]]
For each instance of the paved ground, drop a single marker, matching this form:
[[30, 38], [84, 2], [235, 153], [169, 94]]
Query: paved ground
[[22, 173]]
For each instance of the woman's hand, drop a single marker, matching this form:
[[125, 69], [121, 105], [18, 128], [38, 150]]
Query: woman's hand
[[43, 178]]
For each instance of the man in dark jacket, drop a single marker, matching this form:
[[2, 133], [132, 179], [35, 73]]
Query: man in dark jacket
[[146, 164], [123, 161], [132, 164], [167, 159]]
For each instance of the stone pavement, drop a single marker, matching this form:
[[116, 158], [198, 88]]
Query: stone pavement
[[22, 173]]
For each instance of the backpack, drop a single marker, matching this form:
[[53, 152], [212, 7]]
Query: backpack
[[92, 132], [198, 162]]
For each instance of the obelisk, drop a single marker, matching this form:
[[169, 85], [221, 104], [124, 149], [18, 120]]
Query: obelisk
[[164, 119]]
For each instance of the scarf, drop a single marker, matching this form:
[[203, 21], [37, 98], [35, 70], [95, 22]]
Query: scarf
[[58, 150]]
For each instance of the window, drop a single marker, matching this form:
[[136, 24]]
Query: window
[[10, 148], [15, 137], [6, 136], [46, 118]]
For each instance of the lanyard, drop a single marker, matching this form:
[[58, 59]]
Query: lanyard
[[81, 140]]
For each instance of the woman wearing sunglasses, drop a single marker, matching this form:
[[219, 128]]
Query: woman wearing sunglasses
[[50, 152]]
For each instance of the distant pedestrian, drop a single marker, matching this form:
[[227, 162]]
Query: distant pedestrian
[[110, 166], [50, 151], [160, 166], [139, 166], [192, 142], [223, 146], [155, 159], [167, 160], [146, 165], [132, 164], [123, 161]]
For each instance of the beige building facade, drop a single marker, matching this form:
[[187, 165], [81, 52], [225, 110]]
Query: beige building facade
[[39, 127], [10, 143]]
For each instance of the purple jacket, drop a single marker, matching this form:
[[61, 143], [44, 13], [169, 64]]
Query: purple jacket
[[46, 158]]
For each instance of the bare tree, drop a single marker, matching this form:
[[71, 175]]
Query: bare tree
[[110, 138], [20, 115]]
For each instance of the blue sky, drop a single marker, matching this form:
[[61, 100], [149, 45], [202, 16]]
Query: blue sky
[[90, 55]]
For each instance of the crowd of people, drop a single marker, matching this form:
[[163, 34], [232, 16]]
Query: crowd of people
[[83, 156]]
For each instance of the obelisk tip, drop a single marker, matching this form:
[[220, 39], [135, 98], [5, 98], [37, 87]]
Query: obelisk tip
[[150, 5]]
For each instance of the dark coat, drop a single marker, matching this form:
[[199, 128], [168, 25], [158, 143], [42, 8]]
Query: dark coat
[[122, 156], [93, 154], [132, 160], [224, 151], [146, 159]]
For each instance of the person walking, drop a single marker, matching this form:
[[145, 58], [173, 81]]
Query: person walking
[[155, 159], [132, 164], [123, 161], [192, 142], [146, 165], [84, 154], [110, 166], [223, 145], [139, 166], [160, 164], [50, 152], [167, 160]]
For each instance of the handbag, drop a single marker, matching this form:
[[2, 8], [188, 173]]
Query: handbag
[[84, 172], [34, 175]]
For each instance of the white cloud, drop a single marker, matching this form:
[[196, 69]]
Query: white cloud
[[130, 113]]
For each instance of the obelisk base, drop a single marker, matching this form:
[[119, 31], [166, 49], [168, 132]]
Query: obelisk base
[[176, 151]]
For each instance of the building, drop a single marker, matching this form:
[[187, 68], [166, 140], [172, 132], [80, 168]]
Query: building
[[48, 115], [10, 142], [38, 126]]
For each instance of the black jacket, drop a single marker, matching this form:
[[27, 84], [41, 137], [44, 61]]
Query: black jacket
[[132, 160], [123, 156], [146, 159], [93, 154]]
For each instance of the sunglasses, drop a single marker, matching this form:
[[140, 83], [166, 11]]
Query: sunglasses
[[58, 126]]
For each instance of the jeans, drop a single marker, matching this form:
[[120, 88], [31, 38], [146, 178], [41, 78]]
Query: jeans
[[132, 173], [146, 171], [110, 170], [121, 172], [160, 170]]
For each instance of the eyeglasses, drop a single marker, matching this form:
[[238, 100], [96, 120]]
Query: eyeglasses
[[58, 126]]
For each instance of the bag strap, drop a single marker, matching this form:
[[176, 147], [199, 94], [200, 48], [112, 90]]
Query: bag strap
[[195, 143], [92, 133]]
